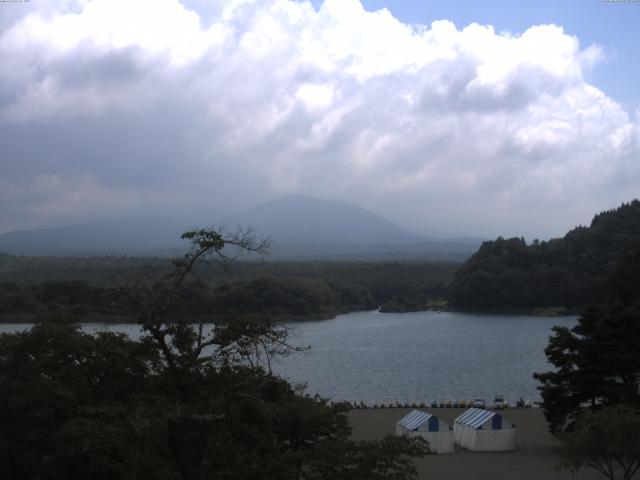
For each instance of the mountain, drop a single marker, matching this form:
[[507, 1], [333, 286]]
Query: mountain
[[570, 272], [305, 228], [300, 227], [299, 219], [144, 236]]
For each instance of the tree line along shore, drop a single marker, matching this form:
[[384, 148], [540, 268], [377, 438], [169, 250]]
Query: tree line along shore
[[90, 287]]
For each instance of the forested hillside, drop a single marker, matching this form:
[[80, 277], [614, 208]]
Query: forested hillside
[[570, 272], [279, 297], [33, 288]]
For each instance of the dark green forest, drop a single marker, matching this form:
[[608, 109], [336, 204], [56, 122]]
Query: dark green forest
[[569, 272], [33, 288], [279, 297]]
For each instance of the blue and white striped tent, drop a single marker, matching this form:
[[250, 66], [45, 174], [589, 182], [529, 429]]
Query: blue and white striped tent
[[437, 433], [481, 430]]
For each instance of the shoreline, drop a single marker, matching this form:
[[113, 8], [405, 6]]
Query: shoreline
[[291, 318]]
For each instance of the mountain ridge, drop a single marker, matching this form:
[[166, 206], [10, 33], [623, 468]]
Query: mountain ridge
[[300, 227], [304, 219]]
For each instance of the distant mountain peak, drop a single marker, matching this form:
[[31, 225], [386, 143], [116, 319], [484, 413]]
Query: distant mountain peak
[[300, 227], [300, 218]]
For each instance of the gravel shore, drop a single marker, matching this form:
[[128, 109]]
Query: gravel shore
[[533, 460]]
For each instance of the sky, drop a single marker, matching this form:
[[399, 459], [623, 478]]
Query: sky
[[479, 118]]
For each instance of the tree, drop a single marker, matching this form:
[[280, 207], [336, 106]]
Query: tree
[[597, 364], [607, 441], [184, 402], [162, 309], [388, 459], [597, 361], [67, 403]]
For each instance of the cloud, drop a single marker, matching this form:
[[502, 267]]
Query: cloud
[[438, 127]]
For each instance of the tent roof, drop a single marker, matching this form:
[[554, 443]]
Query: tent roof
[[415, 419], [474, 417]]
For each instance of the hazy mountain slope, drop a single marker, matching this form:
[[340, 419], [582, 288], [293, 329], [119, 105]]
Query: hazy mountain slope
[[130, 236], [300, 227], [299, 219], [572, 271]]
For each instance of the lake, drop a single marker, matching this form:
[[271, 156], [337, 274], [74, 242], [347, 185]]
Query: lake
[[422, 356]]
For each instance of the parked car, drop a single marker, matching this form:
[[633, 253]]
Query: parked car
[[499, 403], [479, 403]]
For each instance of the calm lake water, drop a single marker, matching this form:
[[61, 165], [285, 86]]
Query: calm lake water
[[423, 356]]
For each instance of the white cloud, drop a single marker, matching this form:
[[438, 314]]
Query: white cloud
[[315, 96], [272, 97]]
